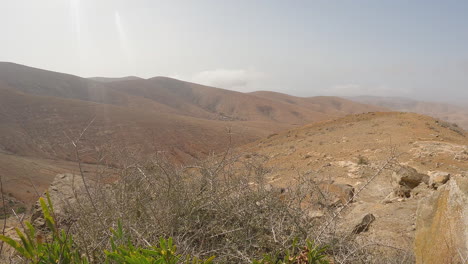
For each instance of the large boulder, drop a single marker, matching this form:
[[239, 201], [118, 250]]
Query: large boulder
[[410, 177], [66, 190], [336, 193], [442, 224]]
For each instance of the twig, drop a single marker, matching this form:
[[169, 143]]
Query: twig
[[20, 219], [4, 213], [141, 237], [78, 160], [227, 232], [463, 259]]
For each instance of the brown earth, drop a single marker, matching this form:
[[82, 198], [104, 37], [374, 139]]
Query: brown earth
[[43, 112], [448, 112], [329, 105], [25, 178], [350, 150]]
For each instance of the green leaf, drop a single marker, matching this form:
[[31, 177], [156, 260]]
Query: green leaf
[[47, 216], [28, 248], [49, 203], [14, 244]]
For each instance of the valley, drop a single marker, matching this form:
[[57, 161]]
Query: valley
[[43, 113]]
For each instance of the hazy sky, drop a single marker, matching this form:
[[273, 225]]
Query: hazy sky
[[405, 48]]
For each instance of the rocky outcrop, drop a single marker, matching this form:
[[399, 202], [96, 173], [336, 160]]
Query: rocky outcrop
[[408, 176], [442, 224], [406, 179], [337, 194], [64, 191], [438, 178]]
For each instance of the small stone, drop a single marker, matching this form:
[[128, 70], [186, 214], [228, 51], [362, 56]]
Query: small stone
[[363, 226], [438, 178], [315, 214]]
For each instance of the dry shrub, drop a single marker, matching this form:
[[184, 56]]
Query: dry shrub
[[224, 208], [452, 126]]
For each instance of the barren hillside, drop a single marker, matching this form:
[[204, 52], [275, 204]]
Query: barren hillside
[[43, 112], [330, 105], [118, 79], [448, 112], [349, 151]]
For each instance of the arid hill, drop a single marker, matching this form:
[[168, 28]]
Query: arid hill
[[43, 112], [448, 112], [214, 103], [343, 147], [117, 79], [346, 153], [329, 105]]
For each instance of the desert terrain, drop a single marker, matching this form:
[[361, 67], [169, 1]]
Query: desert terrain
[[350, 152], [358, 154], [44, 112], [450, 112]]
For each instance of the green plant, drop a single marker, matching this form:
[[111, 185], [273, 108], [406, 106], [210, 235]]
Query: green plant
[[124, 252], [33, 249], [308, 254], [61, 247], [21, 210]]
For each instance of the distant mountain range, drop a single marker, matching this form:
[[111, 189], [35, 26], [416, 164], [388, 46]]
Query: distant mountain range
[[108, 79], [43, 112], [448, 112]]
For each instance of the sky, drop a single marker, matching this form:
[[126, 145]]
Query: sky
[[406, 48]]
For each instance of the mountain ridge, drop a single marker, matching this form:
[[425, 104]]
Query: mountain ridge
[[452, 113], [43, 112]]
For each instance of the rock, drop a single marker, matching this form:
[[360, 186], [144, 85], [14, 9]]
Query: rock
[[402, 191], [337, 193], [363, 226], [406, 179], [421, 190], [63, 192], [423, 149], [316, 214], [438, 178], [442, 224]]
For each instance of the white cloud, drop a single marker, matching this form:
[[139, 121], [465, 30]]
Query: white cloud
[[233, 79]]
